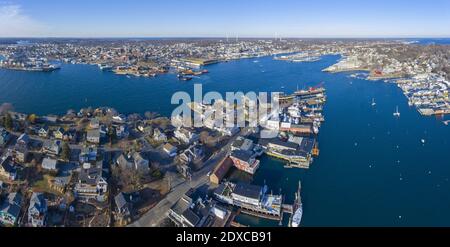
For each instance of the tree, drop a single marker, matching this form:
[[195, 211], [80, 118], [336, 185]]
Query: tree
[[5, 108], [65, 152], [32, 118], [112, 135], [151, 115], [8, 121]]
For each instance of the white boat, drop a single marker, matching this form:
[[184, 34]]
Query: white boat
[[397, 113], [298, 207], [297, 218], [373, 102]]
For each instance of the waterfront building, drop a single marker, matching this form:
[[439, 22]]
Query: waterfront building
[[245, 160], [221, 170]]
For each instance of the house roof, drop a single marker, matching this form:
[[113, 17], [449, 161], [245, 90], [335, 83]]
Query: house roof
[[93, 133], [12, 204], [7, 165], [37, 202], [120, 200], [49, 164]]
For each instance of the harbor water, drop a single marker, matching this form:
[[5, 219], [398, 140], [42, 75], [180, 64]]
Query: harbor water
[[373, 169]]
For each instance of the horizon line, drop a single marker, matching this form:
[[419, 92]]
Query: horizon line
[[230, 38]]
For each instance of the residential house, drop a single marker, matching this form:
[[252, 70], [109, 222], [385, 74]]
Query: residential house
[[185, 170], [91, 182], [93, 136], [170, 149], [51, 147], [124, 162], [23, 140], [140, 163], [44, 131], [20, 153], [123, 207], [88, 154], [194, 154], [192, 210], [227, 131], [10, 209], [103, 130], [122, 131], [186, 136], [59, 133], [37, 211], [94, 123], [133, 161], [8, 168], [50, 164], [159, 136], [5, 137]]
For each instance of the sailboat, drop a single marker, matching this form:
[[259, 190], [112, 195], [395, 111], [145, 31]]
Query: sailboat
[[397, 113], [373, 102], [298, 213]]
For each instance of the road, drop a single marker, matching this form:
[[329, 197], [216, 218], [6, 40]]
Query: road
[[155, 215]]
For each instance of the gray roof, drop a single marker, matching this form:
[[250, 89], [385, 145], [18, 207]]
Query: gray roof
[[7, 164], [120, 200], [37, 202], [242, 155], [91, 175], [95, 133], [191, 217], [248, 190], [49, 164], [307, 145], [12, 204]]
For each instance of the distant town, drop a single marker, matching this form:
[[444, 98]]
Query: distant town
[[422, 72]]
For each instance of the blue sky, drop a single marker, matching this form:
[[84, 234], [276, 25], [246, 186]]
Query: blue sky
[[213, 18]]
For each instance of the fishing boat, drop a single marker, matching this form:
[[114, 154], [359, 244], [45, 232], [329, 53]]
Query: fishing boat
[[396, 113]]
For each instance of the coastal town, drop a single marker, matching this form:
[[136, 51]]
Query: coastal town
[[99, 167]]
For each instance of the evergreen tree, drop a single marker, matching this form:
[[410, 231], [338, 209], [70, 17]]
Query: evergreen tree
[[65, 152], [8, 121]]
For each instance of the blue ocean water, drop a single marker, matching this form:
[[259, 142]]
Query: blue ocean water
[[373, 169]]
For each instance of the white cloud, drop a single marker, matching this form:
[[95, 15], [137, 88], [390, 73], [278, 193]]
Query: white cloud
[[15, 23]]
